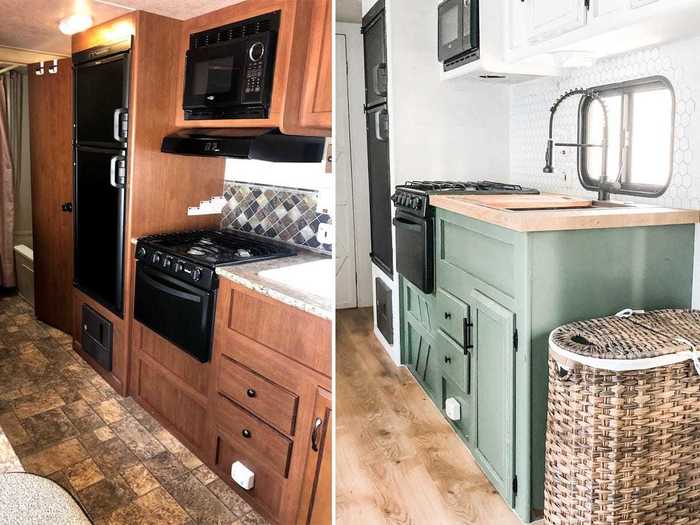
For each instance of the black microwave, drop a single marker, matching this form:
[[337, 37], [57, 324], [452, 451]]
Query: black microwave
[[229, 70], [458, 32]]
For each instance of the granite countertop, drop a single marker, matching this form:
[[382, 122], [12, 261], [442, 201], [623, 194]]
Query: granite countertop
[[248, 275], [578, 218]]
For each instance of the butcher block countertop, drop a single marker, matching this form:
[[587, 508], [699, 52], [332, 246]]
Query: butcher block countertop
[[549, 212]]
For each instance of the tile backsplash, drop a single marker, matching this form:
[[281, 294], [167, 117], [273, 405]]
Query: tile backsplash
[[286, 214]]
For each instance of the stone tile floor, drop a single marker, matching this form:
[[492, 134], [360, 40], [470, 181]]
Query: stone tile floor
[[66, 423]]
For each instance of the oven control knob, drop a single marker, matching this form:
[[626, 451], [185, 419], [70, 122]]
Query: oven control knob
[[196, 274], [156, 258], [167, 262], [178, 266], [140, 252], [256, 51]]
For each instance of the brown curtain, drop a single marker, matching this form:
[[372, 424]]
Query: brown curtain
[[7, 198]]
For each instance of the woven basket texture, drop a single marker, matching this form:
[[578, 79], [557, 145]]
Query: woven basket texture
[[623, 448]]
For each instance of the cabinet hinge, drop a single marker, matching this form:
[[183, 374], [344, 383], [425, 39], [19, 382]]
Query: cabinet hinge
[[515, 340], [515, 485]]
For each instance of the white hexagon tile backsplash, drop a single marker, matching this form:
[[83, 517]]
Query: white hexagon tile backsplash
[[531, 101]]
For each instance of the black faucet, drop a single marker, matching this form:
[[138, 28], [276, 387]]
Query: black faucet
[[604, 186]]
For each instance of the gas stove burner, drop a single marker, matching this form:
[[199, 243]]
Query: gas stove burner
[[195, 251], [243, 253], [447, 186]]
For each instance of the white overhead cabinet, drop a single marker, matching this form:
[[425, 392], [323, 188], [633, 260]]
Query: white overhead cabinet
[[551, 18], [640, 3], [607, 7]]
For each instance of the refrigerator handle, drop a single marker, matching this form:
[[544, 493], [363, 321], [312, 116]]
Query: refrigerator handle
[[113, 167], [117, 124]]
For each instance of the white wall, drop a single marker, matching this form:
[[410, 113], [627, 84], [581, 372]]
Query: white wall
[[453, 130], [530, 116]]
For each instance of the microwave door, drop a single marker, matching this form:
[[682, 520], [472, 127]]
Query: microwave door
[[214, 76], [450, 24]]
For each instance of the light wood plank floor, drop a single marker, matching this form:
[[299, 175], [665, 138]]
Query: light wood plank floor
[[397, 459]]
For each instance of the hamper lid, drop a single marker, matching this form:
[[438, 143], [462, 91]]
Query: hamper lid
[[632, 339]]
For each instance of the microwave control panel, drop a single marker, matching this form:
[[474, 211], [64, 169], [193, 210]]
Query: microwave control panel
[[255, 72]]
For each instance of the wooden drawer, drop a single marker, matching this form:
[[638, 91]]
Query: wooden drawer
[[452, 315], [250, 434], [294, 333], [268, 489], [265, 399], [455, 364]]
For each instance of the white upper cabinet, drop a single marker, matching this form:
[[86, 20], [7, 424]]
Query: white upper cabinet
[[640, 3], [551, 18]]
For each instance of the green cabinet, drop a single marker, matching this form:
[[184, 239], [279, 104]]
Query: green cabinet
[[482, 337]]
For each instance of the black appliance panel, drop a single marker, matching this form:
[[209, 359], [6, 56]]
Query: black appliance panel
[[101, 96], [385, 310], [374, 36], [415, 249], [379, 188], [96, 337], [229, 70], [100, 197], [181, 313]]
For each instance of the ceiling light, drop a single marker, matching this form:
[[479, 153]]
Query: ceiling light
[[75, 24]]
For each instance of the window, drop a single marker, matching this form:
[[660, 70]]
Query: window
[[640, 136]]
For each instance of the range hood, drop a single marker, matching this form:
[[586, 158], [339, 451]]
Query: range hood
[[245, 143]]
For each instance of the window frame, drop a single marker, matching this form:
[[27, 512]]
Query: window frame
[[622, 88]]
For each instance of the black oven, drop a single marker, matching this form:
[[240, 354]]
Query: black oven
[[458, 32], [229, 70], [415, 242], [176, 310]]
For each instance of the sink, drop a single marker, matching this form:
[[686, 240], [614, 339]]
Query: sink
[[313, 277]]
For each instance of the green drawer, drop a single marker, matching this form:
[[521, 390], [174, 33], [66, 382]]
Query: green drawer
[[455, 364], [452, 315]]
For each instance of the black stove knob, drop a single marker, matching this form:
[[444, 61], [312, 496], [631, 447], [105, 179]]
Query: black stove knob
[[167, 262], [140, 252], [178, 266], [156, 258], [196, 274]]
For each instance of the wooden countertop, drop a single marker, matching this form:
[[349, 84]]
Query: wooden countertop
[[540, 220]]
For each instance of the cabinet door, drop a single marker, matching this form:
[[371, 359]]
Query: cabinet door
[[551, 18], [376, 79], [317, 104], [493, 328], [607, 7], [317, 482], [422, 358], [640, 3]]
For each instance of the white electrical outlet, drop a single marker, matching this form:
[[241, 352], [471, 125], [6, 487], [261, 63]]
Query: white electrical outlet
[[453, 409], [242, 475], [325, 234]]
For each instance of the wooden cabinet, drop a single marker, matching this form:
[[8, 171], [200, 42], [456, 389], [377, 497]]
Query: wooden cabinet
[[550, 18], [512, 289], [270, 399], [301, 102], [317, 503]]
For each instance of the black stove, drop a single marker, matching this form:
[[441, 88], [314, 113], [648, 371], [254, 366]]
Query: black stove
[[193, 256], [413, 196]]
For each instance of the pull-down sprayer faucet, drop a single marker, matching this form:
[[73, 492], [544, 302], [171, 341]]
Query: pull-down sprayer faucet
[[604, 186]]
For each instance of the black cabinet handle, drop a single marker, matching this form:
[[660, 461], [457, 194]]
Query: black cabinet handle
[[250, 392], [448, 359], [315, 434], [448, 315], [246, 433], [468, 325], [67, 207]]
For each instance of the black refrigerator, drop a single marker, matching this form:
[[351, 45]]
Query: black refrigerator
[[374, 37], [101, 101]]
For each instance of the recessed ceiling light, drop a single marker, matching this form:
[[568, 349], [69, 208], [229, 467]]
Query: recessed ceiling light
[[74, 24]]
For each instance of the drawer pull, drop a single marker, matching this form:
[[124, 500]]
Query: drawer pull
[[468, 326], [250, 392], [246, 433], [448, 359], [315, 433], [448, 315]]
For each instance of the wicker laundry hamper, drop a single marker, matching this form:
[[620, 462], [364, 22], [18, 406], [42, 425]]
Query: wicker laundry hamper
[[623, 420]]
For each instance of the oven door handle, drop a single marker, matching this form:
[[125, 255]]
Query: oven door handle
[[160, 286], [407, 225]]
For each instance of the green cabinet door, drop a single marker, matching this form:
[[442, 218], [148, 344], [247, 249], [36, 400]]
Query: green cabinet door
[[492, 442], [422, 358]]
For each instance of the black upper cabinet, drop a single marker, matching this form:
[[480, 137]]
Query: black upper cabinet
[[374, 31]]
